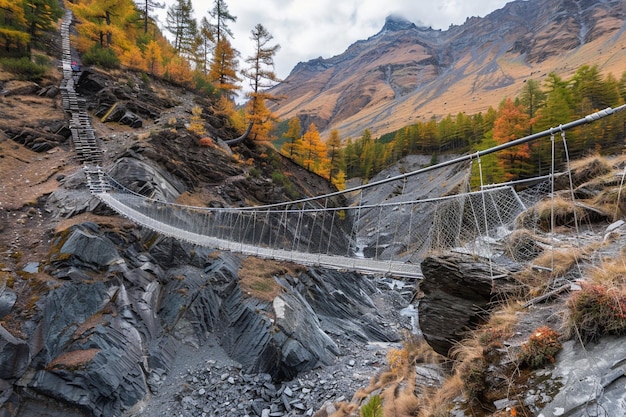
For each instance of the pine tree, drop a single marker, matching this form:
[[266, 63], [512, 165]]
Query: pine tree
[[488, 168], [622, 86], [351, 159], [532, 98], [206, 40]]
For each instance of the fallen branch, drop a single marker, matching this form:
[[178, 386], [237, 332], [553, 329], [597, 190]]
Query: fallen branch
[[547, 295]]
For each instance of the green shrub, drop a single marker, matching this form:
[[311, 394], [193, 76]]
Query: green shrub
[[23, 68], [203, 85], [104, 57], [42, 60], [373, 408], [282, 180], [144, 77]]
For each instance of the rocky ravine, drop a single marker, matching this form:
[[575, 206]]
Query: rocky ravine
[[100, 318]]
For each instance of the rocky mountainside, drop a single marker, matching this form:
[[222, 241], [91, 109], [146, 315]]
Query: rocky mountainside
[[99, 317], [407, 73]]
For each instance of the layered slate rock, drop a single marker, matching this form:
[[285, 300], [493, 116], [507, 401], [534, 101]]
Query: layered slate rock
[[14, 355], [93, 349], [84, 247], [459, 290], [592, 379]]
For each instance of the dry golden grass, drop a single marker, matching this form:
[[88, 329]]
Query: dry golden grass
[[437, 402], [523, 245], [107, 221], [551, 264], [192, 199], [564, 212], [396, 384], [614, 199], [256, 277], [611, 273], [559, 261], [599, 307], [589, 168]]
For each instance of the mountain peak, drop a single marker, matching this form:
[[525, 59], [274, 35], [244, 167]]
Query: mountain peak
[[395, 23]]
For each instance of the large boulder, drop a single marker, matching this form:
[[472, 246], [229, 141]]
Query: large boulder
[[459, 290]]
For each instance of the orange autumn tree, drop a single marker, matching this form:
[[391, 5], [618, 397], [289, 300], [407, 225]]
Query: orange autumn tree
[[512, 123], [178, 70]]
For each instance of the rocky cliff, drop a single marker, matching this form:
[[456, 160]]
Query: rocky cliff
[[407, 73]]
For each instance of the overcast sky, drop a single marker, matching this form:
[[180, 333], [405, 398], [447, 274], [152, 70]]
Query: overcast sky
[[307, 29]]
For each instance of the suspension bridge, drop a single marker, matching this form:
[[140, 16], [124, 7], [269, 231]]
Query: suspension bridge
[[325, 230]]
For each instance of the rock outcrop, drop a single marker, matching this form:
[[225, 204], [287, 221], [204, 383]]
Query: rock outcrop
[[459, 291]]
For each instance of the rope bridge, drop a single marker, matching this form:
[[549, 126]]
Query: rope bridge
[[359, 236], [302, 233], [389, 236]]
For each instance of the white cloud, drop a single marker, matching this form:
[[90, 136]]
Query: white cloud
[[307, 29]]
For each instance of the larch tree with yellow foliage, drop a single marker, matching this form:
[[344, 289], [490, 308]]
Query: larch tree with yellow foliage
[[13, 25], [105, 22], [153, 57], [223, 69], [293, 133], [312, 153], [41, 16], [261, 76], [336, 174]]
